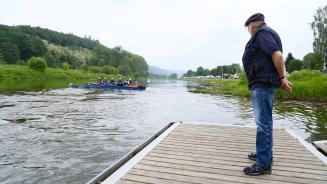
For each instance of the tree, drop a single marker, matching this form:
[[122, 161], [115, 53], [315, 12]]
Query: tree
[[200, 71], [287, 61], [236, 68], [109, 70], [319, 27], [214, 71], [124, 69], [37, 63], [189, 73], [206, 72], [312, 61], [2, 60], [295, 65], [10, 52], [51, 61], [173, 76]]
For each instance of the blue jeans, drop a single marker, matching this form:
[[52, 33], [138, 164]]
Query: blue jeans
[[262, 99]]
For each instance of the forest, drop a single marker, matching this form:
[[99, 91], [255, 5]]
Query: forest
[[20, 43]]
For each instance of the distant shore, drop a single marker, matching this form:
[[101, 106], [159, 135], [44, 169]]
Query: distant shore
[[307, 86], [15, 72]]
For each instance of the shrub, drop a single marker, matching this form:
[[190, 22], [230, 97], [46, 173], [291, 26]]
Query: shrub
[[109, 70], [85, 68], [37, 63], [21, 62], [95, 69], [65, 66]]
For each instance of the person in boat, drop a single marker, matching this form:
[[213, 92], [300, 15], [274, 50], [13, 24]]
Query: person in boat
[[98, 80], [134, 81], [125, 83], [130, 81], [105, 80], [120, 82], [112, 81], [101, 80]]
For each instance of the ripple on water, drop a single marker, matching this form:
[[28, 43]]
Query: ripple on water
[[6, 105], [21, 120]]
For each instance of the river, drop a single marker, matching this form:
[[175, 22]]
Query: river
[[70, 135]]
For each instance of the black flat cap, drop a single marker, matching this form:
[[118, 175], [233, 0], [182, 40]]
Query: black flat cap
[[254, 18]]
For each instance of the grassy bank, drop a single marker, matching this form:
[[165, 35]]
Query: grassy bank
[[307, 85], [23, 72]]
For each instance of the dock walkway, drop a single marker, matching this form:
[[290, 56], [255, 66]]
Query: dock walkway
[[202, 153]]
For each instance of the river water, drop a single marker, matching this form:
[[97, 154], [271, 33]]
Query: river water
[[70, 135]]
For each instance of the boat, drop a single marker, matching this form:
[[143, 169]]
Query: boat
[[93, 85]]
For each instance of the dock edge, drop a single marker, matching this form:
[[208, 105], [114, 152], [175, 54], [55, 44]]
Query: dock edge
[[309, 146], [113, 173]]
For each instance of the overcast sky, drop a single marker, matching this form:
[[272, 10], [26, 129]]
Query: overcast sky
[[172, 34]]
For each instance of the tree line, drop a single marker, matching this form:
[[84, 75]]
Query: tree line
[[311, 61], [217, 71], [20, 43]]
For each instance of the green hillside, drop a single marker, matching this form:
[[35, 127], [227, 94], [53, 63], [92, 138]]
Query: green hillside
[[60, 50]]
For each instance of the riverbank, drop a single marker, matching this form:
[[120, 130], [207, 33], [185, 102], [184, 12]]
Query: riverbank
[[15, 72], [307, 85]]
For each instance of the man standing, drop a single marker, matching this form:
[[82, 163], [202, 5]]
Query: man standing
[[264, 67]]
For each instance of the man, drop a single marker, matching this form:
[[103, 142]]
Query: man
[[264, 67]]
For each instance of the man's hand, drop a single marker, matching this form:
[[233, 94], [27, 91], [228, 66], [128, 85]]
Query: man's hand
[[286, 85], [278, 60]]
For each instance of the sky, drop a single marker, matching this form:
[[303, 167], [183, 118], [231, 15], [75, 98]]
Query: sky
[[171, 34]]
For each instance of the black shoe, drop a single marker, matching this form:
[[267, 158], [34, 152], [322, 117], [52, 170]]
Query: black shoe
[[253, 156], [255, 170]]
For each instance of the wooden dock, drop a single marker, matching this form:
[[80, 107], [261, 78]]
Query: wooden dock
[[321, 146], [202, 153]]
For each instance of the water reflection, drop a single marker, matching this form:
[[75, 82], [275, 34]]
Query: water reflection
[[309, 117], [14, 86]]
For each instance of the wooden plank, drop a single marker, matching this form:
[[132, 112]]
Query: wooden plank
[[200, 129], [249, 147], [284, 177], [241, 156], [127, 181], [280, 170], [277, 151], [239, 153], [137, 177], [232, 137], [202, 175], [229, 133], [213, 158], [169, 178]]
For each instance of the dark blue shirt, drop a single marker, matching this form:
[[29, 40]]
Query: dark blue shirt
[[257, 58], [268, 44]]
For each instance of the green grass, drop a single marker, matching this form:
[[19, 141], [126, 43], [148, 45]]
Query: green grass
[[223, 86], [23, 72], [307, 85]]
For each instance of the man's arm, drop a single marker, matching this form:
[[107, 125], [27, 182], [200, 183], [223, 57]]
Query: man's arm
[[278, 60]]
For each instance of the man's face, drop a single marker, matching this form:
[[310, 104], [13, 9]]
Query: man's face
[[250, 28]]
